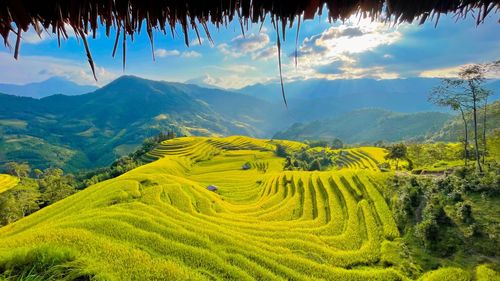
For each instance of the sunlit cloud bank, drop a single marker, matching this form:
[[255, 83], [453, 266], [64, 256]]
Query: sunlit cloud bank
[[333, 53]]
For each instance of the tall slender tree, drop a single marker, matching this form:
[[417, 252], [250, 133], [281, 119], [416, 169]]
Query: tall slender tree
[[468, 92], [446, 95], [489, 68], [485, 111], [473, 77]]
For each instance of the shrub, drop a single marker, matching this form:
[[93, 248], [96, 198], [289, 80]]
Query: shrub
[[281, 151], [464, 212]]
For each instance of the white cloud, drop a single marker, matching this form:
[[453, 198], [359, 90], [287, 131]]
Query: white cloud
[[161, 53], [31, 37], [243, 45], [231, 76], [190, 54], [37, 68], [332, 54], [238, 68], [452, 72], [196, 41], [233, 81], [266, 54]]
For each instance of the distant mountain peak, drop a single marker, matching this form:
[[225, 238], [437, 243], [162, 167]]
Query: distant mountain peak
[[51, 86]]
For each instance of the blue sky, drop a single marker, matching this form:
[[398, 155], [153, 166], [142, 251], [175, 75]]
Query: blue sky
[[354, 49]]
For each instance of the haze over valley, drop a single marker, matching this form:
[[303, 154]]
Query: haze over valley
[[93, 129]]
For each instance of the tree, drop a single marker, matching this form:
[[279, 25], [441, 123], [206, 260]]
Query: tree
[[315, 165], [416, 151], [467, 92], [20, 170], [485, 109], [171, 135], [473, 77], [337, 144], [319, 143], [19, 202], [397, 152], [445, 95], [494, 66], [281, 151], [379, 143], [55, 185]]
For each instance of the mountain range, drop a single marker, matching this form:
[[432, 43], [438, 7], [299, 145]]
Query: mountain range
[[316, 99], [93, 129], [366, 126], [49, 87]]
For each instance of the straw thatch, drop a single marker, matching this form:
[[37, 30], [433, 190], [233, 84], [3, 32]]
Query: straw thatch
[[128, 16]]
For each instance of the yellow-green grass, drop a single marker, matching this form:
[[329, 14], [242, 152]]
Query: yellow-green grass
[[486, 273], [447, 274], [159, 221], [364, 158], [7, 182]]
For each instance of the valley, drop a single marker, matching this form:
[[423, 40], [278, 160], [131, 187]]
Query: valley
[[92, 130]]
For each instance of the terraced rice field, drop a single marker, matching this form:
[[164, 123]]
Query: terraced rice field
[[361, 158], [7, 182], [159, 221]]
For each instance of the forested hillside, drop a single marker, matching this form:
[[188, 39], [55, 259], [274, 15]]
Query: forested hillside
[[92, 130], [369, 126]]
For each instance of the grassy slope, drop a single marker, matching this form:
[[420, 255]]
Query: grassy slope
[[7, 182], [160, 222]]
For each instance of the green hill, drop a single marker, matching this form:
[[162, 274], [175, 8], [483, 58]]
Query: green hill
[[368, 126], [453, 130], [91, 130]]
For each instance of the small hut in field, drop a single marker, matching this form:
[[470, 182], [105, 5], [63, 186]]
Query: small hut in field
[[212, 188], [246, 166]]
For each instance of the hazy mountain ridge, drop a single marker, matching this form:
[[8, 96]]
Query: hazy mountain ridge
[[51, 86], [368, 126], [316, 99]]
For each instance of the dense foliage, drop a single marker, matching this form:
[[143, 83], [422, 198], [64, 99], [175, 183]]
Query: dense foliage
[[29, 195], [448, 215], [309, 160]]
